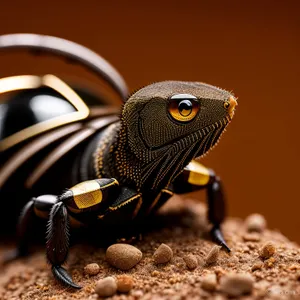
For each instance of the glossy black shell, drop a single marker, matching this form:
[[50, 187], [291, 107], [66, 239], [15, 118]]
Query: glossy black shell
[[22, 109]]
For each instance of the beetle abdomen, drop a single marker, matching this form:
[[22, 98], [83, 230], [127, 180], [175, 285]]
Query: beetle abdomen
[[29, 107]]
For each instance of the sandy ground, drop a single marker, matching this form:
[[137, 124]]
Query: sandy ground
[[182, 226]]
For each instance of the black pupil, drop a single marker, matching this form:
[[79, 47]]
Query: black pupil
[[185, 107]]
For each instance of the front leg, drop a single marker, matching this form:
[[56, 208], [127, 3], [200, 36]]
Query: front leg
[[87, 198], [196, 177], [53, 208], [86, 201], [36, 207], [57, 245], [23, 233]]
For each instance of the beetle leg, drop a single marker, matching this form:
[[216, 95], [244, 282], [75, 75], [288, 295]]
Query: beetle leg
[[58, 243], [216, 210], [24, 223], [196, 177], [36, 207]]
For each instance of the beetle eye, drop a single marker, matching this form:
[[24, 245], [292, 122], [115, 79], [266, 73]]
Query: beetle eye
[[183, 107]]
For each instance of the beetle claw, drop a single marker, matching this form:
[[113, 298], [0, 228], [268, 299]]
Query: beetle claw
[[62, 275], [218, 237], [224, 245]]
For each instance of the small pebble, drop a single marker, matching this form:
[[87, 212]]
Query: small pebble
[[294, 267], [235, 285], [219, 272], [255, 222], [213, 254], [267, 250], [92, 269], [269, 263], [209, 282], [251, 237], [137, 294], [163, 254], [106, 287], [123, 256], [191, 261], [257, 266], [124, 283]]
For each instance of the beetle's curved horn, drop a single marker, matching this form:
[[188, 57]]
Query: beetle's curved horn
[[71, 50]]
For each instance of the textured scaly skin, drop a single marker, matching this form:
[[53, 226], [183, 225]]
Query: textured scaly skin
[[150, 158]]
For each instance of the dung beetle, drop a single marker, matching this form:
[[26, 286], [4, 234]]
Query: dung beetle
[[70, 157]]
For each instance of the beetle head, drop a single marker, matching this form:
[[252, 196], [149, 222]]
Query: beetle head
[[176, 118]]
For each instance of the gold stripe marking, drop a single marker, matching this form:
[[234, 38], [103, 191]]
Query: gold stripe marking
[[115, 182], [157, 198], [137, 208], [14, 83], [87, 194], [124, 203], [154, 203], [198, 174], [168, 192]]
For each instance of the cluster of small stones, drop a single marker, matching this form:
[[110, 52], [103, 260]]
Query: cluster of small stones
[[262, 265], [125, 257], [214, 279]]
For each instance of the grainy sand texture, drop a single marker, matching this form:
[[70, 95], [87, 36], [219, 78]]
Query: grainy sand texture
[[263, 264]]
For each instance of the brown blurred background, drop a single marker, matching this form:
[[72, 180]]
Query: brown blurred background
[[251, 49]]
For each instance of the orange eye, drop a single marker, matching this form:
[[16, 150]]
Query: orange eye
[[183, 107]]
